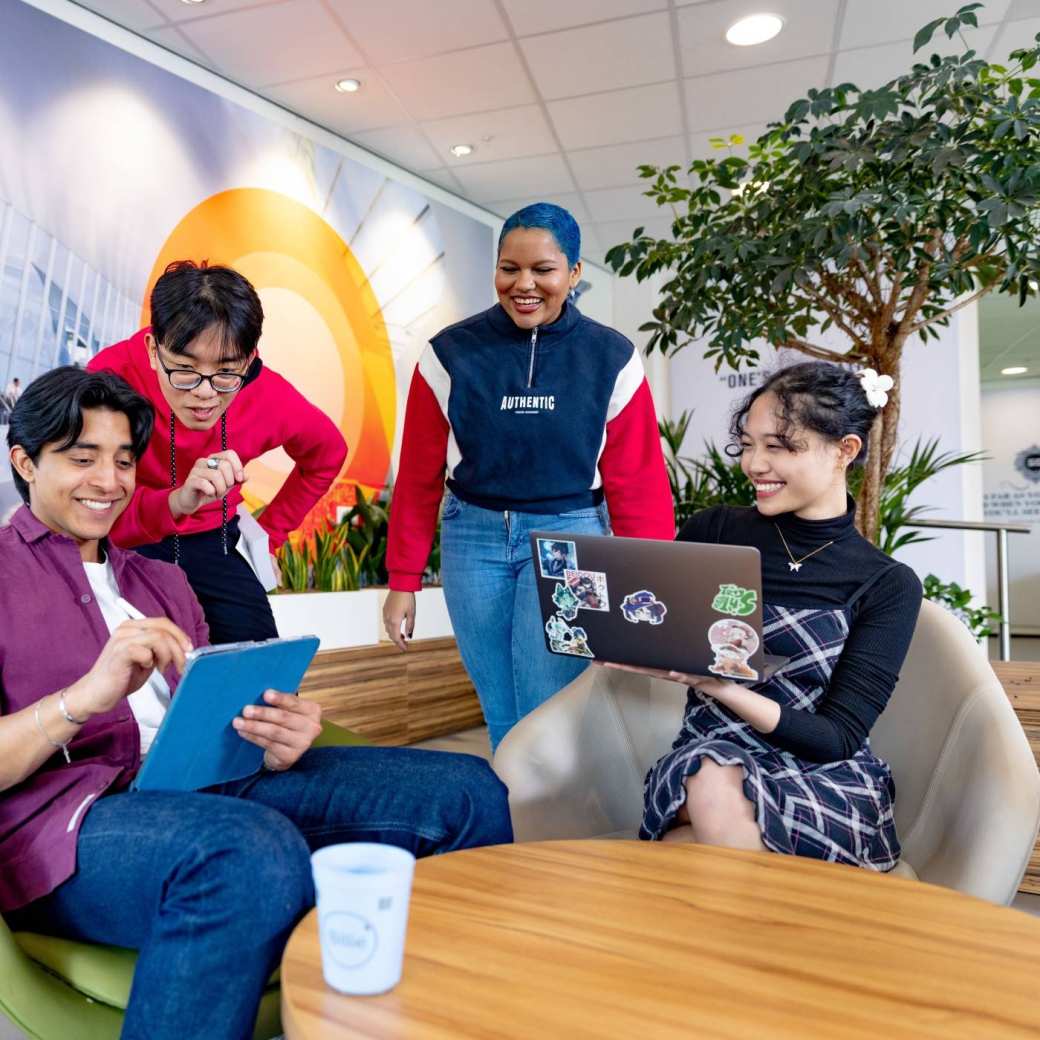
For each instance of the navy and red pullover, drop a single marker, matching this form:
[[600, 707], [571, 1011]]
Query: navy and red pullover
[[542, 420]]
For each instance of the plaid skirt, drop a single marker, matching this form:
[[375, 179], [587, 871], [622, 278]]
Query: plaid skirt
[[838, 811]]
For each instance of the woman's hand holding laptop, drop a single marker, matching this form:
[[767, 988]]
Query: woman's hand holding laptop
[[761, 712]]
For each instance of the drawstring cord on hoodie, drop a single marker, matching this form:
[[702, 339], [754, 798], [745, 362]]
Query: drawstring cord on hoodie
[[173, 484]]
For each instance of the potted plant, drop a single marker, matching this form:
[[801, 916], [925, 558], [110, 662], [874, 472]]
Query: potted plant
[[333, 583], [878, 213]]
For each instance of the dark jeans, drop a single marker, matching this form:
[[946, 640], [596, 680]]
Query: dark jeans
[[234, 602], [209, 885]]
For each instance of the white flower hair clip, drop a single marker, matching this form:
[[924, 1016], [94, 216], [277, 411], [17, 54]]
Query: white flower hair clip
[[875, 387]]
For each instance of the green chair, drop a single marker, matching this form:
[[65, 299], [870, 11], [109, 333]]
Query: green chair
[[54, 989]]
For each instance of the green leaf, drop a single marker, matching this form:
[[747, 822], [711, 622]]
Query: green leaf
[[925, 33]]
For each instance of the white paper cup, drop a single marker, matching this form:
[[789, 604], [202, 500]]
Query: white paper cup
[[363, 891]]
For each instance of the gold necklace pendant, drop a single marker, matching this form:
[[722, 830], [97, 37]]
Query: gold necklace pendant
[[796, 565]]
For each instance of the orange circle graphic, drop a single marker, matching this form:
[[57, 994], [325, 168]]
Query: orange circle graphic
[[309, 279]]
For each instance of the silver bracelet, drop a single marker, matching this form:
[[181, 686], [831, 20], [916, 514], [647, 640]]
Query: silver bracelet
[[53, 743], [65, 711]]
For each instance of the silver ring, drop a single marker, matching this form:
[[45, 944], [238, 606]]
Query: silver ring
[[213, 463]]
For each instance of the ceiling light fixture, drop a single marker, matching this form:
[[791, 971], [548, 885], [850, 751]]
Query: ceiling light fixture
[[1015, 370], [460, 151], [344, 86], [756, 28], [192, 3]]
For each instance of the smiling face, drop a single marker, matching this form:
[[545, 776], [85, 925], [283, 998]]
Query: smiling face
[[805, 475], [80, 491], [533, 277], [202, 407]]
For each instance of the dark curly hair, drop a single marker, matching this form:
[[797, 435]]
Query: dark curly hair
[[814, 395]]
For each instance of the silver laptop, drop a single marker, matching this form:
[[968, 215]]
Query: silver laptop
[[679, 606]]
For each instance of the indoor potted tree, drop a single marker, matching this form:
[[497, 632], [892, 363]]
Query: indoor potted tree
[[878, 213]]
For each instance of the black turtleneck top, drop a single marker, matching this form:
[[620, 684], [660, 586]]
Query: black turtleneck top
[[885, 598]]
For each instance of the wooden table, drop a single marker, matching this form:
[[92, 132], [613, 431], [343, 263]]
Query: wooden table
[[594, 939]]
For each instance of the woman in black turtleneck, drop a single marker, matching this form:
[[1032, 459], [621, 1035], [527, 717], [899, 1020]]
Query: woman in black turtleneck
[[786, 764]]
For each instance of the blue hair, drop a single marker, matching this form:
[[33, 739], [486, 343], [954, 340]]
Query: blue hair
[[554, 219]]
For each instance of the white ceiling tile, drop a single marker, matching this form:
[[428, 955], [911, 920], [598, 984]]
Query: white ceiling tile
[[400, 144], [1023, 9], [616, 165], [702, 148], [173, 40], [273, 44], [505, 134], [539, 16], [443, 178], [615, 54], [871, 67], [750, 95], [476, 80], [403, 30], [884, 21], [132, 14], [372, 107], [808, 30], [1013, 36], [570, 201], [178, 11], [621, 204], [617, 117], [613, 232], [517, 178]]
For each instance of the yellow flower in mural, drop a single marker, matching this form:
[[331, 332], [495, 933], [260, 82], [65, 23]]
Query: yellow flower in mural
[[323, 328]]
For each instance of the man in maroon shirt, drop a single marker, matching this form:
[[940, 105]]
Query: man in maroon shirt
[[206, 885]]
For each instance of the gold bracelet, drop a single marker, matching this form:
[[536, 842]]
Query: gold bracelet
[[39, 725]]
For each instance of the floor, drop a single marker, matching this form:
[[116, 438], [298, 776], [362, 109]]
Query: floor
[[475, 742]]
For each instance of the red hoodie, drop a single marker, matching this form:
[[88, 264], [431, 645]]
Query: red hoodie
[[266, 413]]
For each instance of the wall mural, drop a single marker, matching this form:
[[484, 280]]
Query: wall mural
[[110, 168]]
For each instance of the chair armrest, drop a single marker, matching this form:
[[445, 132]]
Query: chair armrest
[[570, 765]]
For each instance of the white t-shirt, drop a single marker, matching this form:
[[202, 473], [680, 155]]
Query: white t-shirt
[[150, 702]]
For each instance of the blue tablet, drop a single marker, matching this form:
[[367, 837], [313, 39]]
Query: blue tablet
[[196, 745]]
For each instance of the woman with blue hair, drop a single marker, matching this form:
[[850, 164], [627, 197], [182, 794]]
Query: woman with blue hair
[[538, 418]]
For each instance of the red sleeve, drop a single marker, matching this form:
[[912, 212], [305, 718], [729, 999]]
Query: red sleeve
[[418, 489], [639, 497], [147, 519], [313, 441]]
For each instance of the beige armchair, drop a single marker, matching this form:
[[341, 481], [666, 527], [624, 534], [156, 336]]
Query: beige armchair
[[967, 786]]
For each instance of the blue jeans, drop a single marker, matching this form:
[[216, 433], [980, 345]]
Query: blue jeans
[[208, 885], [490, 588]]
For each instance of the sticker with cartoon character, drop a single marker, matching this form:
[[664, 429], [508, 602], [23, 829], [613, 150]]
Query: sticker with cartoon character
[[563, 639], [733, 642], [590, 587], [555, 557], [566, 601], [643, 606]]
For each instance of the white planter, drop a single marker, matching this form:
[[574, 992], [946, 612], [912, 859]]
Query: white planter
[[431, 614], [338, 619]]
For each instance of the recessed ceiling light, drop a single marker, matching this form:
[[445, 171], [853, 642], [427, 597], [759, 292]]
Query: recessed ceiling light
[[193, 2], [1015, 370], [344, 86], [460, 151], [756, 28]]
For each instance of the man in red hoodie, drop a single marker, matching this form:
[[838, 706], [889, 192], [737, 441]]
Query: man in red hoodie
[[217, 407]]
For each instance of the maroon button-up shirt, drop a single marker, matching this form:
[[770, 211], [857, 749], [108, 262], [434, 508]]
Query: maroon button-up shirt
[[51, 633]]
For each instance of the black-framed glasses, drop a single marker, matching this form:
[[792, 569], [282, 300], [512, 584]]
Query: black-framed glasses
[[188, 378]]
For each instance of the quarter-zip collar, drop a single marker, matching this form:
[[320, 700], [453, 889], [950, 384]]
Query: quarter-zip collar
[[568, 320]]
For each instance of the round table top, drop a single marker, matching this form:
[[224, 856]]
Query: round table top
[[625, 939]]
